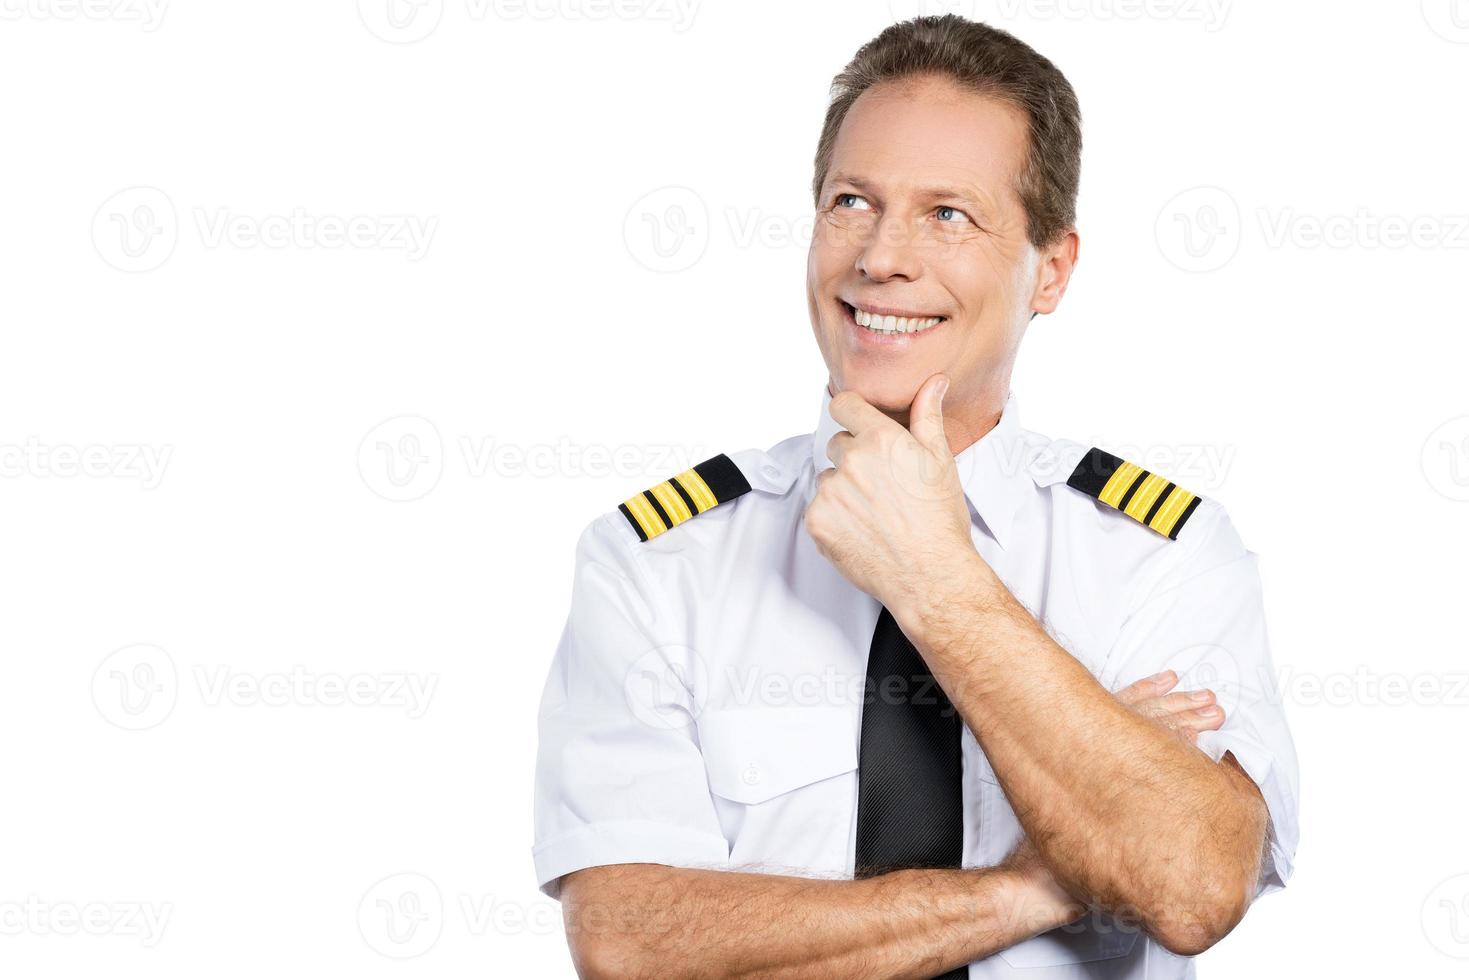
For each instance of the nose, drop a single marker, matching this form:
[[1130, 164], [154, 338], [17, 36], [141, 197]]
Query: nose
[[890, 252]]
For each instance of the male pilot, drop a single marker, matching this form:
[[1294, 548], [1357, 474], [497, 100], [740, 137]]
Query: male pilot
[[921, 693]]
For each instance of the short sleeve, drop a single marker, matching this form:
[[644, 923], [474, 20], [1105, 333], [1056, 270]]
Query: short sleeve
[[1204, 618], [619, 776]]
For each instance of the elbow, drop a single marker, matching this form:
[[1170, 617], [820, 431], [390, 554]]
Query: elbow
[[1190, 927], [600, 934], [602, 957], [1211, 897], [1205, 905], [597, 960]]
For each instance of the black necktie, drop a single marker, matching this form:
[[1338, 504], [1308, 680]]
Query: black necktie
[[910, 802]]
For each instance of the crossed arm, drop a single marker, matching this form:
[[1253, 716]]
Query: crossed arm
[[627, 920], [1136, 823]]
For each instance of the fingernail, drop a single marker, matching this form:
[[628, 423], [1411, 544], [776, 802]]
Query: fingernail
[[1201, 695], [1210, 712], [1161, 676]]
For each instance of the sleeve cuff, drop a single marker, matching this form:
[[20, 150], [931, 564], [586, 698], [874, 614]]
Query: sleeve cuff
[[624, 842]]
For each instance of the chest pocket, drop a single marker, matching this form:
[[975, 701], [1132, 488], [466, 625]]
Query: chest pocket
[[754, 755]]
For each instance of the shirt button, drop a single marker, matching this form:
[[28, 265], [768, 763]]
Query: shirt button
[[751, 775]]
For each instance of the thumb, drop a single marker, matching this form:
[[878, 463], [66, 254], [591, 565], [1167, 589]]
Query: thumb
[[926, 416]]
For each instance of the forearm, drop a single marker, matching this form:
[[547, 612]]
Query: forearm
[[1126, 815], [646, 920]]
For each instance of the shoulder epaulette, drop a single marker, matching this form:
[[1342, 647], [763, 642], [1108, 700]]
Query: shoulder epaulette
[[1145, 497], [708, 484]]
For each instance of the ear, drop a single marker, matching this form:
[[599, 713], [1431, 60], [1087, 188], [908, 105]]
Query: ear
[[1057, 263]]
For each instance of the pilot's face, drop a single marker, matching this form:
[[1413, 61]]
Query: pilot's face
[[919, 217]]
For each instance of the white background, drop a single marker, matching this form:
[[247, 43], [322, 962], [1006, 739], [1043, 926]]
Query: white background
[[251, 468]]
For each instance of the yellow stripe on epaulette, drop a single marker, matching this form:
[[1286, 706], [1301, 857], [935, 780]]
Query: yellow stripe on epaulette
[[1145, 497], [690, 493]]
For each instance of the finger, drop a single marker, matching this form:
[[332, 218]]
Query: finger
[[926, 416], [837, 446], [1193, 721], [1181, 701], [1148, 687], [1207, 719], [853, 412]]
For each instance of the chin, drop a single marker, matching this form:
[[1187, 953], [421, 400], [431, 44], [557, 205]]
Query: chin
[[883, 389]]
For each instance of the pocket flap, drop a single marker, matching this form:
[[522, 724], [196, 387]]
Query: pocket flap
[[754, 754]]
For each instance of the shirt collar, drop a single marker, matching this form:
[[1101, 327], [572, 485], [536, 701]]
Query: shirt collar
[[992, 470]]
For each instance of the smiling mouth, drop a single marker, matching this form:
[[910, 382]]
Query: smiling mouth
[[888, 324]]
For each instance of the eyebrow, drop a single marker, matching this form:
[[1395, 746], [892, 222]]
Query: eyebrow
[[928, 193]]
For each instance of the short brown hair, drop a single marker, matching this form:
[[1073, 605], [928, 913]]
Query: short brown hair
[[994, 63]]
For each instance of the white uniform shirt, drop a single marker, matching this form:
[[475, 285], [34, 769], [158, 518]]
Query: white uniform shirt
[[704, 705]]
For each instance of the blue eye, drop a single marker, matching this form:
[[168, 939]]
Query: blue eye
[[944, 211], [842, 200]]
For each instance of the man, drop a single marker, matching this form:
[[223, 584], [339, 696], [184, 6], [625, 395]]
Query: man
[[846, 707]]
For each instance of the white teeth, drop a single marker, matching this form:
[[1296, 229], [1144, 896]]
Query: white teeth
[[894, 324]]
